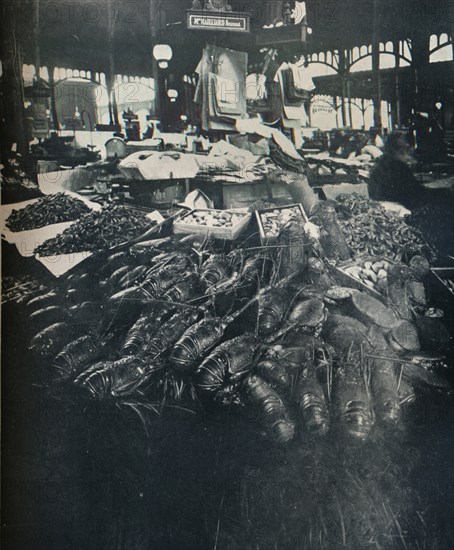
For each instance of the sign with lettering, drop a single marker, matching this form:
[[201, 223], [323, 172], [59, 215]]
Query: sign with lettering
[[282, 35], [218, 21]]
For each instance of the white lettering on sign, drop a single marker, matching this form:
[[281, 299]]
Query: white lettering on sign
[[219, 23]]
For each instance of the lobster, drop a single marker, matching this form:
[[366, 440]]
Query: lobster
[[148, 250], [352, 404], [159, 281], [318, 275], [292, 254], [80, 280], [215, 270], [343, 332], [196, 342], [116, 378], [182, 291], [307, 317], [383, 380], [220, 374], [114, 280], [275, 373], [311, 401], [155, 284], [51, 339], [349, 335], [124, 376], [145, 327], [270, 409], [42, 318], [204, 336], [75, 296], [76, 354], [170, 332], [311, 364], [136, 336], [256, 270], [199, 339], [273, 308], [43, 301], [114, 262], [85, 312], [133, 276], [221, 294]]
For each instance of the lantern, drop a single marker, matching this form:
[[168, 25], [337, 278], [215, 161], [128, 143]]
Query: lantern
[[172, 95], [163, 54]]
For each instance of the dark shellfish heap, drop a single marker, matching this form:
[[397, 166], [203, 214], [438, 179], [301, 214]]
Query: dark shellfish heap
[[112, 225], [45, 211], [269, 331], [370, 229]]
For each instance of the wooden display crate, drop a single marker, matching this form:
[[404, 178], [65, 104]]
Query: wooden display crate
[[259, 213], [225, 233], [348, 280]]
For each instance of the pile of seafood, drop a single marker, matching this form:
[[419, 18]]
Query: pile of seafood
[[110, 226], [353, 204], [372, 274], [13, 176], [267, 331], [45, 211], [212, 218], [274, 220], [374, 231]]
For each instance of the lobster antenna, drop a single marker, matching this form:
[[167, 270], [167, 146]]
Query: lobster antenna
[[262, 291], [248, 237], [230, 318], [274, 337]]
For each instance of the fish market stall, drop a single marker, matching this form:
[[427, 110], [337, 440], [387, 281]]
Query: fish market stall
[[228, 282], [314, 331], [320, 328]]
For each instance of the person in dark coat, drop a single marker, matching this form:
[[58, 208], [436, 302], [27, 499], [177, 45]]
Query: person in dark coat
[[392, 177]]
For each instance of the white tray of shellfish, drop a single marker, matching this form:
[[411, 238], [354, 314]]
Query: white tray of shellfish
[[220, 224], [271, 221]]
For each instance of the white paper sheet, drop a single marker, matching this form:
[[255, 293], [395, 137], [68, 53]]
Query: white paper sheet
[[154, 166], [59, 265], [68, 180], [27, 241], [254, 126]]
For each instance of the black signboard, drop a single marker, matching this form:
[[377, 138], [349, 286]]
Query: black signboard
[[218, 21]]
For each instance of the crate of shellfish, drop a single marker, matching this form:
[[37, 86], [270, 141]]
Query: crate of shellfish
[[365, 273], [271, 221], [219, 224]]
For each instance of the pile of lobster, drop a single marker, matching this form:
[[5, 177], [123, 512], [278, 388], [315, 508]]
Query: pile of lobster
[[264, 330]]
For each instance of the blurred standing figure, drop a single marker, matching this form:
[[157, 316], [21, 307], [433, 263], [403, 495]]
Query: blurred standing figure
[[392, 177]]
